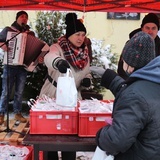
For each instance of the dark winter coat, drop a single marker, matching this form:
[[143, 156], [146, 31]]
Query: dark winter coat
[[15, 27], [135, 130]]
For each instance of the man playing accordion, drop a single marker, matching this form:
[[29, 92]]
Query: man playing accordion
[[13, 75]]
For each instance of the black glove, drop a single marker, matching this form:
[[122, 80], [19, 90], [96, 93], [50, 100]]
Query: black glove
[[62, 66], [86, 82], [108, 77]]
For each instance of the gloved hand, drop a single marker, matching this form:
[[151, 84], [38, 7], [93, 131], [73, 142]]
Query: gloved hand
[[86, 82], [62, 65], [99, 71]]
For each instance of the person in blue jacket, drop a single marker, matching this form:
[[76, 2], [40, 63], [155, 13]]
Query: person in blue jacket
[[135, 130]]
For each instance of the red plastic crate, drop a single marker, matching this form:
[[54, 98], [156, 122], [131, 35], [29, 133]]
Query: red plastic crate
[[53, 122], [90, 123]]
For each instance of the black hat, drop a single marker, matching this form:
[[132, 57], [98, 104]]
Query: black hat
[[150, 18], [139, 50], [73, 24], [131, 34], [20, 13]]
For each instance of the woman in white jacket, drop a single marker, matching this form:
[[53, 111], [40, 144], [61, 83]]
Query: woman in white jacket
[[69, 52]]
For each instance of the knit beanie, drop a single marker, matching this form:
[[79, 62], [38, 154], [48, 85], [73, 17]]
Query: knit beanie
[[150, 18], [20, 13], [139, 50], [131, 34], [73, 24]]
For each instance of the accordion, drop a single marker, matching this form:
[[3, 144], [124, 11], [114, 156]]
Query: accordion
[[24, 49]]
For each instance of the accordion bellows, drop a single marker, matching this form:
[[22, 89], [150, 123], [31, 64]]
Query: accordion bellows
[[24, 49]]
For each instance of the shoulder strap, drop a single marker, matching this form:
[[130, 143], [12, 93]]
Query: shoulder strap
[[51, 80]]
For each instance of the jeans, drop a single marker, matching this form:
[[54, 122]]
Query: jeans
[[12, 76]]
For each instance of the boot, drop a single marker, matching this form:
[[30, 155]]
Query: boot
[[19, 117], [1, 119]]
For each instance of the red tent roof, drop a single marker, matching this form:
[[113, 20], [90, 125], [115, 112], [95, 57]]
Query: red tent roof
[[83, 5]]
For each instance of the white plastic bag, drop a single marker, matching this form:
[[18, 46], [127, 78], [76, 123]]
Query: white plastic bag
[[101, 155], [66, 93]]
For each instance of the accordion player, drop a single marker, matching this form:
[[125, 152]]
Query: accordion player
[[24, 49]]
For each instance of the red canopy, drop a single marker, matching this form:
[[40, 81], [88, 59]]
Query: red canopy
[[83, 5]]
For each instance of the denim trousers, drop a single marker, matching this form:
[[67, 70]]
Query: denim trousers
[[12, 76]]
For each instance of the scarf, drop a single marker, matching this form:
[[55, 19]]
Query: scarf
[[17, 27], [77, 57]]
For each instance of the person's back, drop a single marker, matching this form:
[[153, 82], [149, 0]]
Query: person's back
[[135, 130], [145, 100]]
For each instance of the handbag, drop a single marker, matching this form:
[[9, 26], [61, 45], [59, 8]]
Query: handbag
[[101, 155], [66, 93]]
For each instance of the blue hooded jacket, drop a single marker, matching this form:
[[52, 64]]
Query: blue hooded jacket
[[135, 130], [150, 72]]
